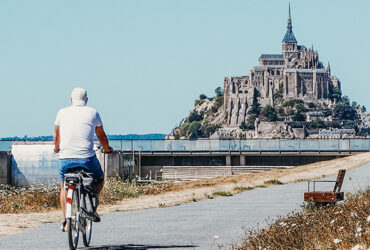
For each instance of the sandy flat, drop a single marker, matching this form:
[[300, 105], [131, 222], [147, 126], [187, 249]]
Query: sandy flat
[[190, 191]]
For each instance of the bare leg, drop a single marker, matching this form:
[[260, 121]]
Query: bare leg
[[100, 186], [62, 202]]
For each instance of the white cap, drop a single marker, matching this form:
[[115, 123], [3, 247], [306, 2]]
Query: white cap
[[79, 97]]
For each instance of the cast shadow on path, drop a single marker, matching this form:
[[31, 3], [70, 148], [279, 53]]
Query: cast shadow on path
[[137, 247]]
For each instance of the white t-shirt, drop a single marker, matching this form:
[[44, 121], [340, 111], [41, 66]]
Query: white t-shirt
[[77, 127]]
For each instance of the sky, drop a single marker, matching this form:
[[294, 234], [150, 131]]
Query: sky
[[143, 63]]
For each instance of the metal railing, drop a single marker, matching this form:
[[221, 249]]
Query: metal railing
[[255, 145], [263, 145]]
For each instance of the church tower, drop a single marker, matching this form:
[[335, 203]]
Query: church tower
[[289, 43]]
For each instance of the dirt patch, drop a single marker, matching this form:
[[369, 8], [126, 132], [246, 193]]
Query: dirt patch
[[194, 191]]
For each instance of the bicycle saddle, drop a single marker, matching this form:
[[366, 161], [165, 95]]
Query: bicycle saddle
[[75, 169]]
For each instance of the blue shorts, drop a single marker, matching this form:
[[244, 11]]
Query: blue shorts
[[91, 164]]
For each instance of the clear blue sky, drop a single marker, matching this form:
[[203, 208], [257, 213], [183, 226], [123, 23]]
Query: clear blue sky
[[144, 62]]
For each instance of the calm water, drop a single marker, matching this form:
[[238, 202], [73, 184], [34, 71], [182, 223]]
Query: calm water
[[5, 145]]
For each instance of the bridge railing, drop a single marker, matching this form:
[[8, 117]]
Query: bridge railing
[[263, 145]]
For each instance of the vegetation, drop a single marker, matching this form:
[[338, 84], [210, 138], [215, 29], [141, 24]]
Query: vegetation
[[209, 129], [41, 198], [194, 116], [222, 193], [240, 189], [243, 125], [270, 113], [344, 111], [335, 94], [253, 112], [336, 227], [274, 182], [311, 105], [317, 123], [298, 116], [347, 113], [202, 97], [292, 102], [278, 95]]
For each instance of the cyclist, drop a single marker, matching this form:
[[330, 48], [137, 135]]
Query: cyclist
[[73, 140]]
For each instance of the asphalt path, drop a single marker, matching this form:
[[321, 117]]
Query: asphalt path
[[208, 224]]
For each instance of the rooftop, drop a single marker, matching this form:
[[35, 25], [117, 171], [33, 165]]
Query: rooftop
[[272, 57]]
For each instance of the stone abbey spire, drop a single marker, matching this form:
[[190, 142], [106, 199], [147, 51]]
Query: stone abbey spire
[[289, 36]]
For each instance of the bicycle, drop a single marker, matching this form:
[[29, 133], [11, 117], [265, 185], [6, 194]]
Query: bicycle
[[77, 221]]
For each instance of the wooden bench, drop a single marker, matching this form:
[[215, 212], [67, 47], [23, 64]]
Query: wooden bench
[[322, 198]]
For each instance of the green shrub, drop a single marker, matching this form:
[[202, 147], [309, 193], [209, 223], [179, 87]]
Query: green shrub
[[274, 182], [311, 105], [335, 94], [222, 193], [209, 129], [243, 125], [194, 116], [219, 92], [299, 116], [292, 102], [202, 96], [317, 123], [270, 113]]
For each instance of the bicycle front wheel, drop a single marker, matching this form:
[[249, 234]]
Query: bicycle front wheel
[[72, 223], [86, 236]]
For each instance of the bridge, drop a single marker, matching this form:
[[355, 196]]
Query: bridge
[[27, 162], [255, 146]]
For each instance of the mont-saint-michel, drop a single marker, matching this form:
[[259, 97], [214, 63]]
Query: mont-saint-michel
[[291, 94]]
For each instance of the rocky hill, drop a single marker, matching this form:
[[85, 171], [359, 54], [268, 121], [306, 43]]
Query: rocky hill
[[287, 118]]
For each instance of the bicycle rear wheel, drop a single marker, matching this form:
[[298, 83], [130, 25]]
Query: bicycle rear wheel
[[72, 223], [86, 236]]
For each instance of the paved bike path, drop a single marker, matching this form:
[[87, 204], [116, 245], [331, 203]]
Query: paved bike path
[[187, 226]]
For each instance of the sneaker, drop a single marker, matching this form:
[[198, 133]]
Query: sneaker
[[96, 217], [64, 225]]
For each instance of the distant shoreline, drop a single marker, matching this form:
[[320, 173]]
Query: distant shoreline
[[153, 136]]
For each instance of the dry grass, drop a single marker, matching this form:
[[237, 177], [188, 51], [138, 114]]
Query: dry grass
[[28, 199], [41, 198], [335, 227]]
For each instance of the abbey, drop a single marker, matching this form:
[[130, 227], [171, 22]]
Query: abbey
[[296, 73]]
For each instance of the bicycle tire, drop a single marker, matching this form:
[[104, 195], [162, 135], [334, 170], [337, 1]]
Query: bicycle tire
[[86, 236], [72, 223]]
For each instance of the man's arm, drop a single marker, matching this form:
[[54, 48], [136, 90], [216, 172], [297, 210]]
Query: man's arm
[[56, 139], [99, 131]]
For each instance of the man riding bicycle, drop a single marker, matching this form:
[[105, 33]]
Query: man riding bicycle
[[74, 134]]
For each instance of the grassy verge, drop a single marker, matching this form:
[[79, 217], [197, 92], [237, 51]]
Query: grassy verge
[[337, 227], [41, 198]]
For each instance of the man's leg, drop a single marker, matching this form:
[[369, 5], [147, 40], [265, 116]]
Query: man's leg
[[62, 201], [100, 185]]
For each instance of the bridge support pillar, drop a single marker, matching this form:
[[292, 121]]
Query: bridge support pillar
[[242, 160], [228, 160]]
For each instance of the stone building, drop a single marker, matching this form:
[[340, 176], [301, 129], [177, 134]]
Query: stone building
[[297, 72]]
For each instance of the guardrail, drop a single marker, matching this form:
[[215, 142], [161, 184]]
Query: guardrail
[[263, 145], [255, 145]]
